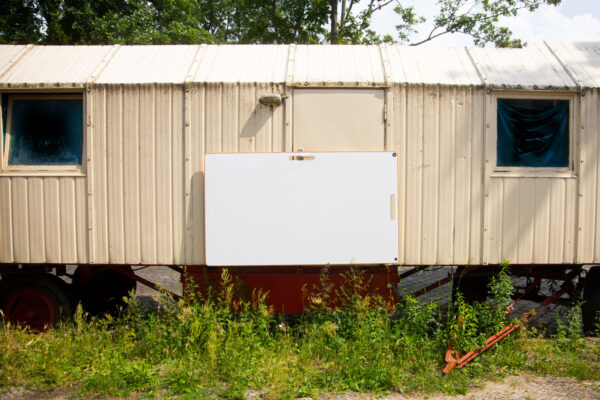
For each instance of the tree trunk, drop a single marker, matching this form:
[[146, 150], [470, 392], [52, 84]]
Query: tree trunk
[[274, 9], [334, 22]]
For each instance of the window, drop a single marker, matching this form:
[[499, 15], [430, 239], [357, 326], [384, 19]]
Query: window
[[533, 133], [43, 130]]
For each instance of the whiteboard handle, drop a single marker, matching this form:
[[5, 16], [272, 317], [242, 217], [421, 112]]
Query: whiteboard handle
[[301, 157], [392, 207]]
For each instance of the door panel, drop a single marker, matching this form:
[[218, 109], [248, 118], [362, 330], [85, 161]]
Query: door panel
[[338, 119]]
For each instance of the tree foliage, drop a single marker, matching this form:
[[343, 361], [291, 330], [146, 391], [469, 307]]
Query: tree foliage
[[247, 21]]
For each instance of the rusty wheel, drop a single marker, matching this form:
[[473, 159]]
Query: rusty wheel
[[38, 302]]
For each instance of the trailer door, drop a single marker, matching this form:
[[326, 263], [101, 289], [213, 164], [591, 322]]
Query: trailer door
[[338, 120]]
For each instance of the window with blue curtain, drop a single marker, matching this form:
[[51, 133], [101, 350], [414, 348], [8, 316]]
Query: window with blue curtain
[[44, 130], [533, 133]]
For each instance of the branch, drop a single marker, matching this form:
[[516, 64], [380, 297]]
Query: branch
[[454, 28]]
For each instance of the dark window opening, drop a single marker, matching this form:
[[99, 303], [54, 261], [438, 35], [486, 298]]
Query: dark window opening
[[44, 131], [533, 133]]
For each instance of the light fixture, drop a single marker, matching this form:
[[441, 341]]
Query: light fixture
[[271, 99]]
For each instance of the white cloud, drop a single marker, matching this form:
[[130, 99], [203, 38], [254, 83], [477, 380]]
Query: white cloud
[[547, 23]]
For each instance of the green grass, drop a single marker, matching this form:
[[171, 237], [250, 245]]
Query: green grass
[[221, 346]]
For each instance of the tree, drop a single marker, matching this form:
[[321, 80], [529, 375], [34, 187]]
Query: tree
[[246, 21]]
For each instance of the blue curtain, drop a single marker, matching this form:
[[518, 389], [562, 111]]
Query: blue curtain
[[533, 138]]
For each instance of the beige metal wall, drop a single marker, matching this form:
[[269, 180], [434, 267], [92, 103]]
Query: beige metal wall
[[43, 219], [141, 201], [588, 238], [437, 131]]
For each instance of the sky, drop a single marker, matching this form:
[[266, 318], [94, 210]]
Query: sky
[[573, 20]]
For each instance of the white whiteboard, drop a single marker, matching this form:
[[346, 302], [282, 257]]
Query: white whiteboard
[[328, 208]]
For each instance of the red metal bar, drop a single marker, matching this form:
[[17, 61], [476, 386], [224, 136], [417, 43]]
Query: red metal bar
[[453, 361]]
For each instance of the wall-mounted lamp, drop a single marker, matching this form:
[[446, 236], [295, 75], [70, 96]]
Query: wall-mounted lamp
[[271, 99]]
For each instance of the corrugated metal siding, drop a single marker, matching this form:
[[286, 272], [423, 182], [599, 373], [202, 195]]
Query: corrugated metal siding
[[431, 65], [55, 66], [225, 118], [437, 133], [530, 220], [136, 177], [242, 63], [42, 219], [532, 67], [149, 64], [337, 65], [588, 240], [582, 59]]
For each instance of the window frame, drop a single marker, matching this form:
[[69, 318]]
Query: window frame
[[530, 171], [40, 170]]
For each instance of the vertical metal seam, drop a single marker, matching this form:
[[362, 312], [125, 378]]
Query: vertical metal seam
[[405, 169], [485, 235], [43, 220], [89, 174], [421, 146], [122, 162], [155, 114], [104, 163], [27, 218], [438, 173], [138, 129], [11, 222], [59, 214]]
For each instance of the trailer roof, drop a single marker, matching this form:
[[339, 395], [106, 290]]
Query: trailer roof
[[541, 66], [582, 60]]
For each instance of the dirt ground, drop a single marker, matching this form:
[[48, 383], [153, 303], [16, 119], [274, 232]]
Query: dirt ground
[[520, 387]]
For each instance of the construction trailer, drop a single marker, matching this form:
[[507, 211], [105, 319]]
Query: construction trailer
[[116, 157]]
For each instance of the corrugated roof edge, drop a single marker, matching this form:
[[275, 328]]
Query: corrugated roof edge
[[290, 80]]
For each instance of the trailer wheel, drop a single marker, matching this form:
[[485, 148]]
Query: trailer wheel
[[38, 301], [473, 285], [591, 297], [104, 290]]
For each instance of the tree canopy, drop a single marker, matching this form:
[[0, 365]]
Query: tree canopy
[[248, 21]]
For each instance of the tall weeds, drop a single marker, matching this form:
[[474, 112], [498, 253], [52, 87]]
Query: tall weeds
[[216, 344]]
